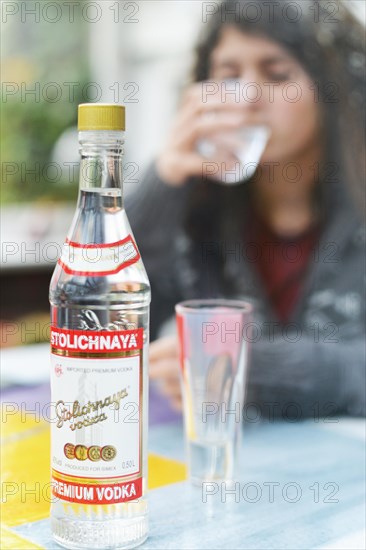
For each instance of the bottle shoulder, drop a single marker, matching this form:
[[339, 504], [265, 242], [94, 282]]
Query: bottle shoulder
[[130, 285], [100, 261]]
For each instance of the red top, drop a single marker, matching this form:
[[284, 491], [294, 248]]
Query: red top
[[281, 263]]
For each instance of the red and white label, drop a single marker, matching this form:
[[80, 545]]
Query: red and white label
[[96, 494], [98, 260], [91, 341], [96, 416]]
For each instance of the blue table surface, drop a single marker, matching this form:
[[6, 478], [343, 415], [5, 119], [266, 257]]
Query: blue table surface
[[301, 486]]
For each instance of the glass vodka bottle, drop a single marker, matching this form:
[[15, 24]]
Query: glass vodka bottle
[[99, 296]]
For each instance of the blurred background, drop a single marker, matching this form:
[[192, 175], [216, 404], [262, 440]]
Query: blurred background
[[56, 55]]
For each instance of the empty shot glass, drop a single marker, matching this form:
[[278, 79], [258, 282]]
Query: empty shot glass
[[214, 363]]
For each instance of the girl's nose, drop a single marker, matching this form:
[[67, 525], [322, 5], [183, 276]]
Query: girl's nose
[[248, 90], [251, 93]]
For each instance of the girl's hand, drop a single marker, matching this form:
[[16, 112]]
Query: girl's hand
[[195, 120], [164, 368]]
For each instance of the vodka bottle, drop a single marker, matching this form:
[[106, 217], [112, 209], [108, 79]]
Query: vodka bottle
[[99, 296]]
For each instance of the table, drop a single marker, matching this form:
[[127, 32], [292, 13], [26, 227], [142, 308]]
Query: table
[[301, 484]]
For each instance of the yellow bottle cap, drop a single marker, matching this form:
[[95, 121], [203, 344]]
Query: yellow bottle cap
[[101, 116]]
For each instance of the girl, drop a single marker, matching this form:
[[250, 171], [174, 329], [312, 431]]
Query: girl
[[291, 239]]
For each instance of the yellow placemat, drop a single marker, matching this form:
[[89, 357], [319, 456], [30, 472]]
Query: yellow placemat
[[11, 541], [25, 473]]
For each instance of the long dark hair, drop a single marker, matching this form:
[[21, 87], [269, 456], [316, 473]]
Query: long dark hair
[[328, 41]]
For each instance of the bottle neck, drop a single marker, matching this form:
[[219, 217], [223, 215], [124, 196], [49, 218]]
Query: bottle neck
[[101, 169]]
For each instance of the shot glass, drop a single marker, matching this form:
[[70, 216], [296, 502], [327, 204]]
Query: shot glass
[[214, 363]]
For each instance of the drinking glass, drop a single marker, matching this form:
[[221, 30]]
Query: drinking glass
[[213, 351], [244, 146], [235, 152]]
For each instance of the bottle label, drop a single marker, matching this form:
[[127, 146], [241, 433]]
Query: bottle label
[[96, 379], [98, 260]]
